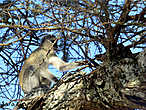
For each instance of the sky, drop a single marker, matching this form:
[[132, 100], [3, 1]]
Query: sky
[[52, 69]]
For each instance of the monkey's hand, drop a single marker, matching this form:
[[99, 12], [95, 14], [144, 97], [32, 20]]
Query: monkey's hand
[[80, 63]]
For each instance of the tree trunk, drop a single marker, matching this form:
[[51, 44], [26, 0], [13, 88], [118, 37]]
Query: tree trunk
[[113, 86]]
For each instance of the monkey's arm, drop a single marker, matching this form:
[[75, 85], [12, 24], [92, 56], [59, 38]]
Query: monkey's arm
[[45, 73], [61, 65]]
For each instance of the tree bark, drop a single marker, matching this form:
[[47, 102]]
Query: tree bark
[[118, 85]]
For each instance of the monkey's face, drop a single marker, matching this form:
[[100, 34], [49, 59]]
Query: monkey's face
[[48, 37], [48, 41]]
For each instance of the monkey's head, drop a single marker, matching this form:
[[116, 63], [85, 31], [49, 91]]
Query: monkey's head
[[48, 41]]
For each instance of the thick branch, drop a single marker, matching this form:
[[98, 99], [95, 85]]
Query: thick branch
[[118, 85]]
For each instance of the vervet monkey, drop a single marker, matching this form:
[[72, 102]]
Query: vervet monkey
[[35, 71]]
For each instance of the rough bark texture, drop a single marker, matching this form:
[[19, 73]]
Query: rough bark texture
[[116, 85]]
